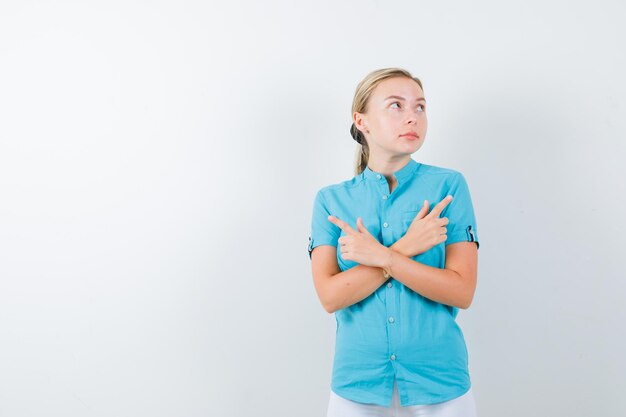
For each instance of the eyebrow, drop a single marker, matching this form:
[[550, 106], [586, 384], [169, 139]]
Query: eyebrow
[[402, 98]]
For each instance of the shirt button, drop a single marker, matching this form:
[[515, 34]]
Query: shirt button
[[384, 197], [389, 285], [391, 320], [393, 357], [385, 224], [378, 176]]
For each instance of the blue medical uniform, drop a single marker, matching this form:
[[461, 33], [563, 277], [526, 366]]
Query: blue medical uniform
[[396, 332]]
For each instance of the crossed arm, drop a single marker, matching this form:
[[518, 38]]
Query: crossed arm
[[453, 285]]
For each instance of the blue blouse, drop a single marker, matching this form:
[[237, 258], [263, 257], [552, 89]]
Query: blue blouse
[[396, 333]]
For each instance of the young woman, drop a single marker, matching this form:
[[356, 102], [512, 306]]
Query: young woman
[[394, 269]]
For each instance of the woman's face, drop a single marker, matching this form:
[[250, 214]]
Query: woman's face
[[395, 108]]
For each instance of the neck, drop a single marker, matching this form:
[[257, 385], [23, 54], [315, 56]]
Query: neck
[[387, 165]]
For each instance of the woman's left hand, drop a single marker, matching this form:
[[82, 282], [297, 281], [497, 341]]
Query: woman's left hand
[[360, 245]]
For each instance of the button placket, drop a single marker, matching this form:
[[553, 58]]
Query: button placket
[[391, 296]]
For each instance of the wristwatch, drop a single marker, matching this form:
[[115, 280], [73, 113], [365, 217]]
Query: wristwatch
[[385, 273]]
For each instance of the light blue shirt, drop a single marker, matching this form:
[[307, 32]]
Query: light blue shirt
[[396, 332]]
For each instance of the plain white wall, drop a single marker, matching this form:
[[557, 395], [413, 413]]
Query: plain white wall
[[158, 163]]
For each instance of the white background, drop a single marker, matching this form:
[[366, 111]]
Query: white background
[[158, 164]]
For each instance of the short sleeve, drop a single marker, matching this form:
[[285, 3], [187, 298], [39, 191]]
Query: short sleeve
[[323, 232], [460, 213]]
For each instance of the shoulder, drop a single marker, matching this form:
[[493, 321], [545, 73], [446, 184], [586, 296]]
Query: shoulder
[[438, 173], [340, 188]]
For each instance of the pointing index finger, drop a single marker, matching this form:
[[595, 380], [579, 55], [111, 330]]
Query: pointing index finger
[[436, 211], [341, 224]]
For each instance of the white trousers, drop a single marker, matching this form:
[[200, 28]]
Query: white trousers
[[463, 406]]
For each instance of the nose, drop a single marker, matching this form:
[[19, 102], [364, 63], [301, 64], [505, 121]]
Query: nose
[[412, 117]]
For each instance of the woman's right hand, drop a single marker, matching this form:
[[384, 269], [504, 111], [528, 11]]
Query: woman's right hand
[[426, 230]]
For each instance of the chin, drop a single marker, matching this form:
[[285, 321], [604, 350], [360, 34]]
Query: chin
[[414, 148]]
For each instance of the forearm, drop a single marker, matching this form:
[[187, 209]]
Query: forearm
[[444, 286], [352, 285], [355, 284]]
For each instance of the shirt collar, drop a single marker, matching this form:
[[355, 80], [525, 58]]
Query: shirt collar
[[402, 174]]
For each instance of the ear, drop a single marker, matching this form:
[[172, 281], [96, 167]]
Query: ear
[[360, 121]]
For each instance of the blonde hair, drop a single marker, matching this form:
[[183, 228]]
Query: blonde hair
[[359, 104]]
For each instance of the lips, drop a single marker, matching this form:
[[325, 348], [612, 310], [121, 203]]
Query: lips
[[410, 135]]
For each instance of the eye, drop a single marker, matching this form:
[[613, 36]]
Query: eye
[[395, 102], [422, 106]]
